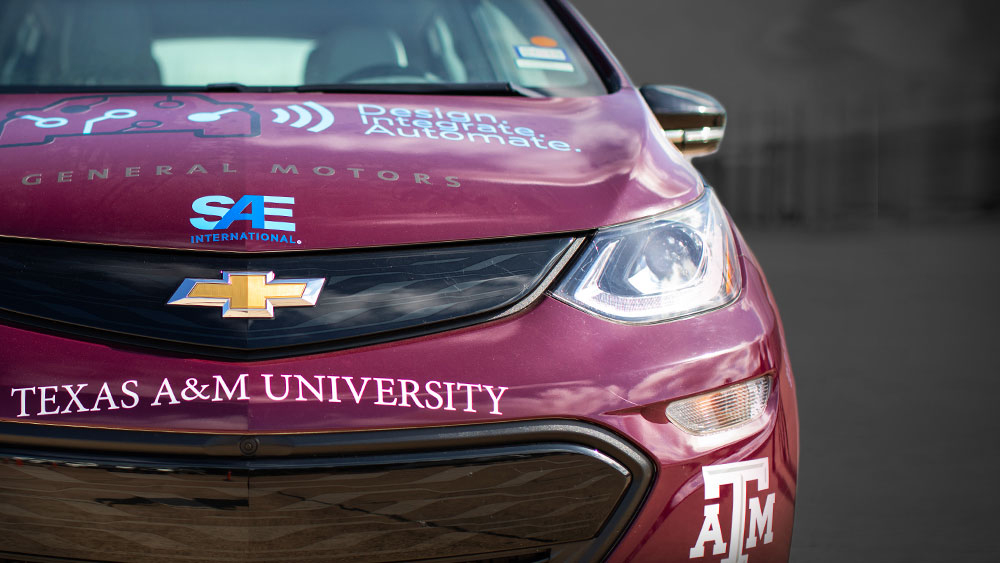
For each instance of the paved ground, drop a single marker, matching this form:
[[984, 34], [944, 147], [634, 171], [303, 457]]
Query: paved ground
[[894, 342]]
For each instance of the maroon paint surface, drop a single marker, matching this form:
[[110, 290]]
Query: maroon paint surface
[[351, 189]]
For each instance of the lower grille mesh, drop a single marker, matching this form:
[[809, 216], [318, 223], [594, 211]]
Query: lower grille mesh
[[526, 502]]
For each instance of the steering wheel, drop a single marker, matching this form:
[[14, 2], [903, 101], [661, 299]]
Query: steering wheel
[[379, 71]]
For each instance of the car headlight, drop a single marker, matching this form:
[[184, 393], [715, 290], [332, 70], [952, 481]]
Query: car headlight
[[673, 265]]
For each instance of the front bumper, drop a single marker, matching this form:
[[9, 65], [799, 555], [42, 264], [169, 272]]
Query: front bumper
[[551, 364]]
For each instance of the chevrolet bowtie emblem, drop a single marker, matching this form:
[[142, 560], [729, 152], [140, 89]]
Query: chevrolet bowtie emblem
[[248, 294]]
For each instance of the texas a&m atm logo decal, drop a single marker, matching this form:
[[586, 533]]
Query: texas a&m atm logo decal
[[743, 533]]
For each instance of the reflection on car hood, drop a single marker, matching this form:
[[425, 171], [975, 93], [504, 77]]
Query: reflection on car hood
[[242, 171]]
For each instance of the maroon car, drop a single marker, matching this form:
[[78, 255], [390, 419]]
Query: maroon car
[[422, 280]]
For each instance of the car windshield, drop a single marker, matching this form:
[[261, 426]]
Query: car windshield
[[321, 44]]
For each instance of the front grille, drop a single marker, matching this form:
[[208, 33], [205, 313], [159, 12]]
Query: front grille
[[538, 491], [373, 295]]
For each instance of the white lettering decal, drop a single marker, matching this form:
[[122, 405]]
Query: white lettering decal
[[409, 393], [761, 519], [104, 395], [316, 392], [456, 396], [131, 393], [435, 394], [738, 476], [495, 397], [165, 389], [221, 387], [47, 398], [74, 398], [468, 395], [382, 392], [23, 391], [267, 386], [457, 126], [333, 388], [451, 402], [357, 394], [711, 531]]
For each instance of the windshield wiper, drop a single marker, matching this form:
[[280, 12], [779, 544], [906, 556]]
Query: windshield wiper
[[454, 89], [140, 88], [226, 87]]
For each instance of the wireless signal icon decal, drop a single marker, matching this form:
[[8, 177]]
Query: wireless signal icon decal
[[305, 117]]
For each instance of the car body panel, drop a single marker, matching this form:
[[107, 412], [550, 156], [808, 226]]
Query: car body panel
[[548, 362], [543, 379], [356, 183]]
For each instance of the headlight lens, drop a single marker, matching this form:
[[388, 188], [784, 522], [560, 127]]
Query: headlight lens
[[673, 265]]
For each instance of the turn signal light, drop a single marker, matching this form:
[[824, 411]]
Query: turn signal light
[[722, 409]]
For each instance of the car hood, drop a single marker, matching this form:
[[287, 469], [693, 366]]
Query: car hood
[[295, 171]]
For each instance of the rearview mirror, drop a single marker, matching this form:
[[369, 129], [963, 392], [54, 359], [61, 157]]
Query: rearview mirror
[[692, 120]]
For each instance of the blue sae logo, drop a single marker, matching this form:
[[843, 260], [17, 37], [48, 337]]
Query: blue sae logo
[[219, 212]]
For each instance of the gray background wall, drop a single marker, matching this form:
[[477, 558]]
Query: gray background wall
[[860, 161], [838, 109]]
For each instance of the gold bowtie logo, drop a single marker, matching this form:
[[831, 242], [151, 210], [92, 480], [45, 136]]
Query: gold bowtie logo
[[248, 294]]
